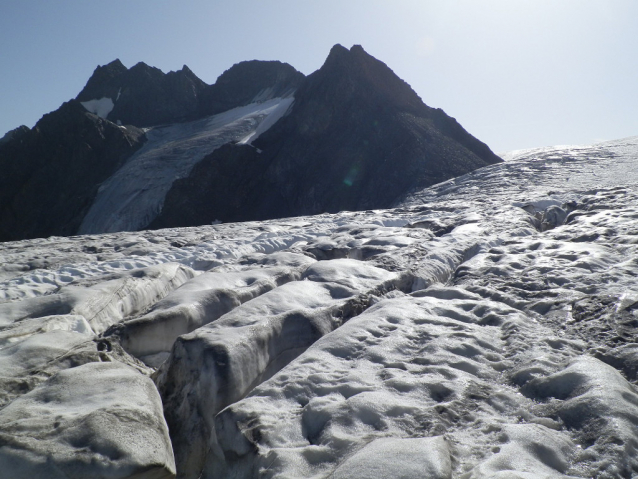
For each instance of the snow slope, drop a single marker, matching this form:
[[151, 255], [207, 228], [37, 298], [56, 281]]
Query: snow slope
[[484, 328], [134, 195]]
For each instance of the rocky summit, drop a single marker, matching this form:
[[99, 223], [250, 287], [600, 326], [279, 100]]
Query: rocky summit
[[483, 328], [139, 148]]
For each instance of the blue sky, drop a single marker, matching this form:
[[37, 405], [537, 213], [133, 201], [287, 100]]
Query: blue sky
[[514, 73]]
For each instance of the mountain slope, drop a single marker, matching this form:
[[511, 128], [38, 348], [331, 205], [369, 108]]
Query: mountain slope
[[50, 174], [357, 137]]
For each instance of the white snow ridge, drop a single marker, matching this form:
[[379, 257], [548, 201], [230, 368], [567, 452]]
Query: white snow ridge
[[484, 328]]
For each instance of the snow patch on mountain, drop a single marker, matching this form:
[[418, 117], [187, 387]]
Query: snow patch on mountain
[[100, 107]]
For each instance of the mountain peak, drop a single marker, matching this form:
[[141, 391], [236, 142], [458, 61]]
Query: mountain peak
[[142, 68], [338, 52], [353, 73], [102, 75], [337, 49], [115, 65], [144, 95], [351, 135], [249, 81]]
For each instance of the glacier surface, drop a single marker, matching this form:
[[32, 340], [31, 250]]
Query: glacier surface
[[483, 328], [133, 197]]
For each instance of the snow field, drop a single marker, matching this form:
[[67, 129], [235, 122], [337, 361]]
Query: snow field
[[100, 107], [407, 367], [109, 300], [198, 302]]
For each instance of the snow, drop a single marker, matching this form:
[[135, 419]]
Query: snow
[[198, 302], [134, 195], [484, 328], [79, 418], [112, 298], [274, 113], [409, 458], [100, 107]]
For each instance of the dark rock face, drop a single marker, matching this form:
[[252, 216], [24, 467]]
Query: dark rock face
[[51, 173], [218, 192], [357, 137], [15, 133], [249, 81], [145, 96]]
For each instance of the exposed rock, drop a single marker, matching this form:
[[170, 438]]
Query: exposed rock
[[15, 133], [249, 82], [144, 96], [51, 173], [264, 141]]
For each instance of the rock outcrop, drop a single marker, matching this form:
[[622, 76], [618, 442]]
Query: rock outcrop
[[144, 96], [52, 172], [247, 82]]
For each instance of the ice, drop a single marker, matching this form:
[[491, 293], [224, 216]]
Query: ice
[[526, 452], [134, 195], [409, 458], [484, 328], [274, 114], [410, 354], [29, 327], [252, 342], [200, 301], [94, 420], [100, 107], [352, 274], [31, 355], [594, 399], [107, 302]]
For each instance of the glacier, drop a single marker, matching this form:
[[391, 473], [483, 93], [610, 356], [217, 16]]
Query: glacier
[[485, 327], [170, 153]]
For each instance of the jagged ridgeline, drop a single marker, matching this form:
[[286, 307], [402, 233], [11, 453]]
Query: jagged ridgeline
[[141, 149]]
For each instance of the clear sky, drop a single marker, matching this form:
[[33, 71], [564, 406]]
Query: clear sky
[[514, 73]]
